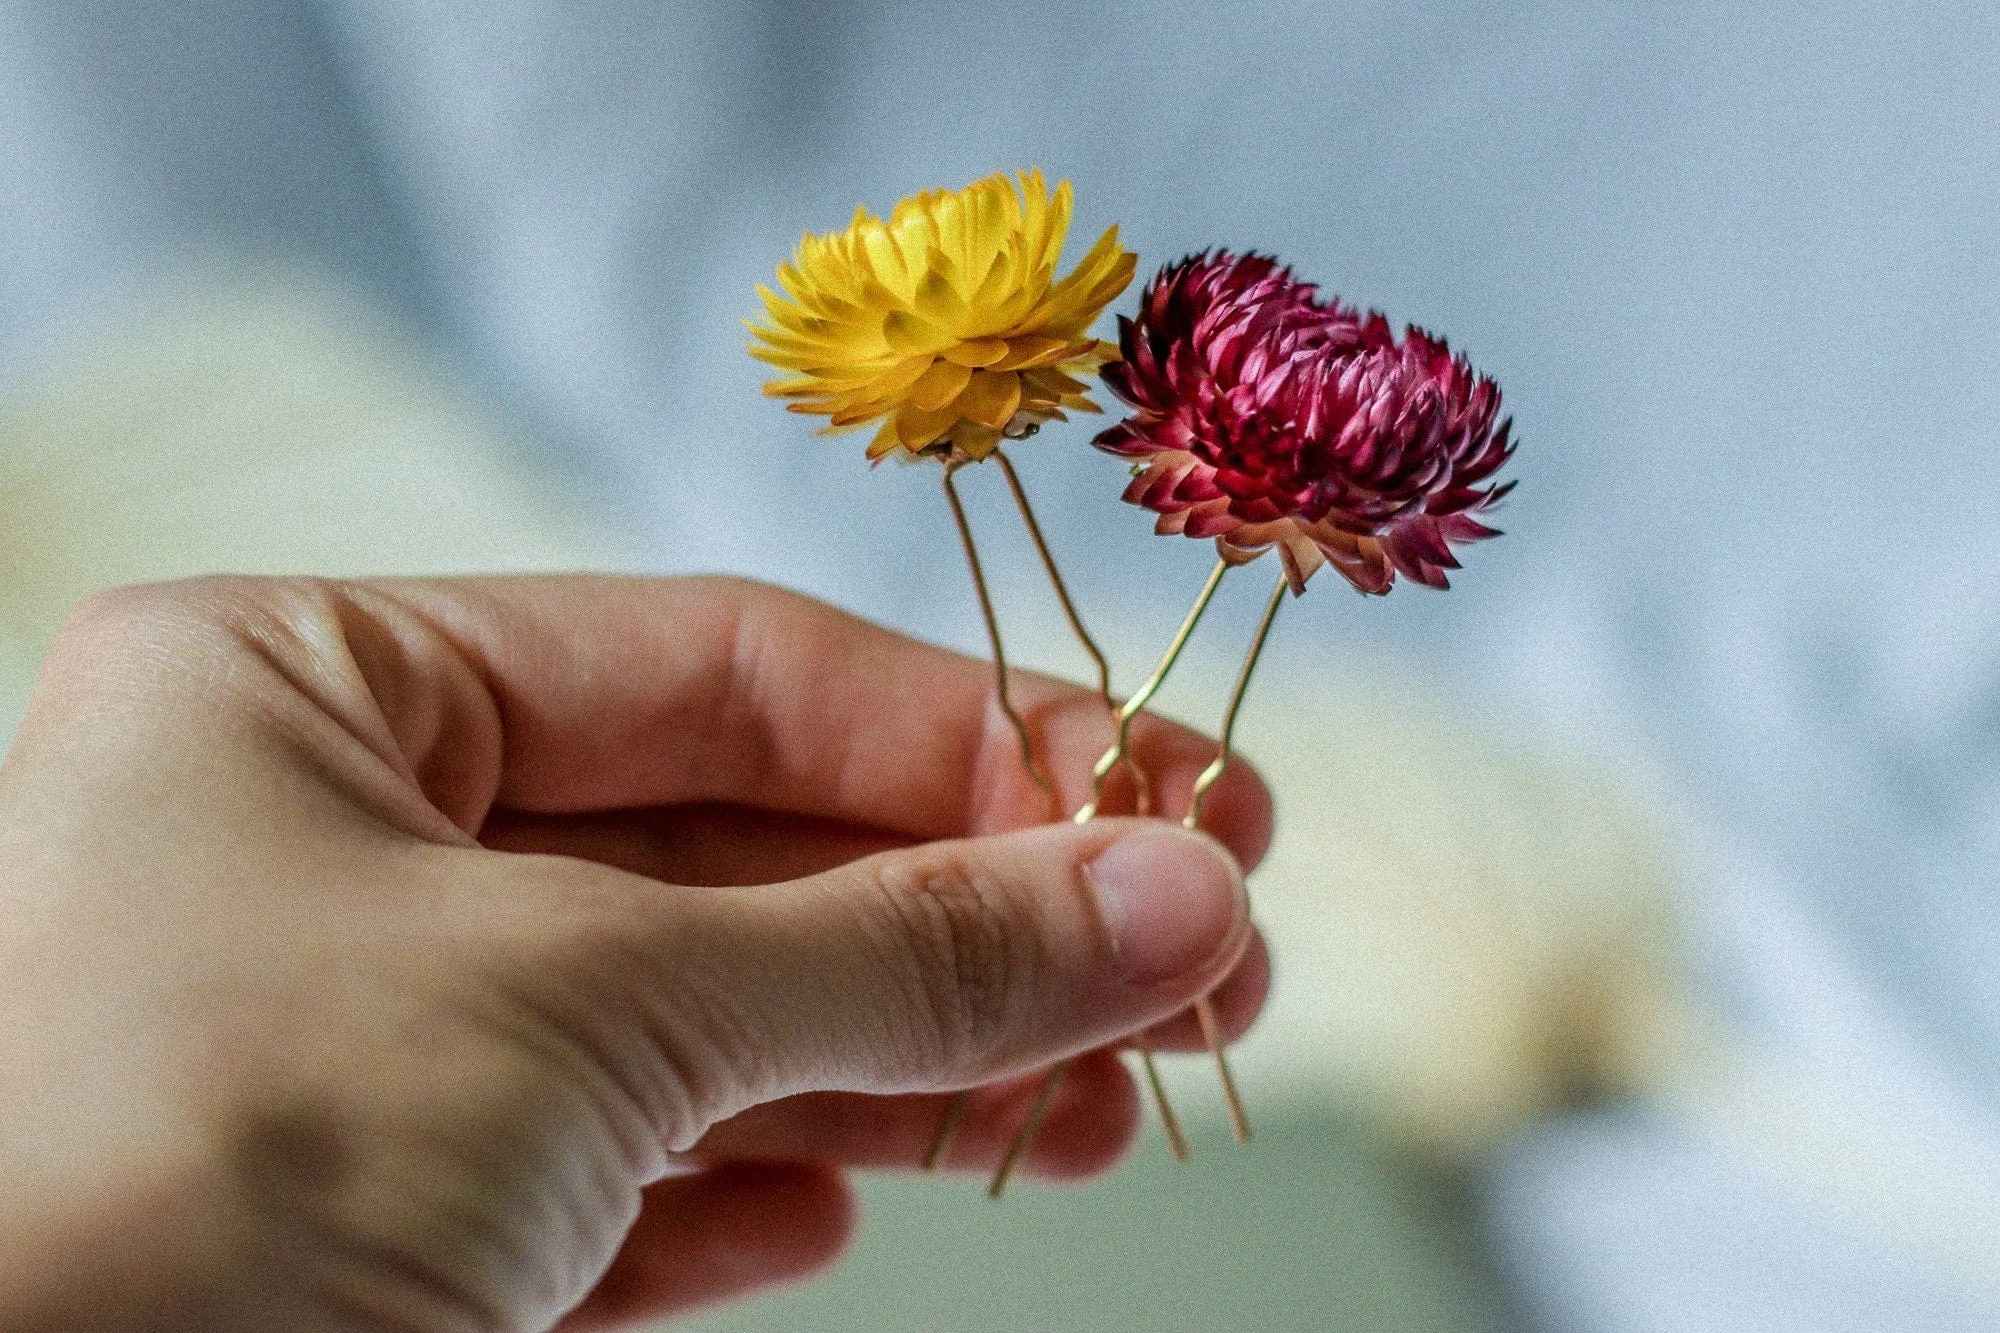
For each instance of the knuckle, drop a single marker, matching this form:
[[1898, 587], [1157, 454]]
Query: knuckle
[[130, 644], [185, 613], [188, 641], [114, 617], [208, 597], [972, 951]]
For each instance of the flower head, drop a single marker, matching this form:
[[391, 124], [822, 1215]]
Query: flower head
[[1267, 417], [946, 322]]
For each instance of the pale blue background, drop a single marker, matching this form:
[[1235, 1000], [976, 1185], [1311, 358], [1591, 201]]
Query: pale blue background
[[1735, 265]]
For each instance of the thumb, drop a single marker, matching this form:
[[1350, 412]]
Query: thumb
[[952, 963]]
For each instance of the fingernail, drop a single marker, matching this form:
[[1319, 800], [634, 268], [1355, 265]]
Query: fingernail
[[1170, 900]]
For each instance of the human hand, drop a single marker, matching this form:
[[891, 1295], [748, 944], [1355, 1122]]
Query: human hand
[[470, 954]]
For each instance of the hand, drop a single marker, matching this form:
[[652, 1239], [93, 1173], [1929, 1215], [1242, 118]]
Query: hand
[[472, 954]]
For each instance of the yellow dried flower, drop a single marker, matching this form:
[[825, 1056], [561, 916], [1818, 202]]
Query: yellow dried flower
[[946, 322]]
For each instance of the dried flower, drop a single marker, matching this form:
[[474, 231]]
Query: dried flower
[[1268, 417], [946, 322]]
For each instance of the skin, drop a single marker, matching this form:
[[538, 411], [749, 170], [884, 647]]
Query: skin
[[503, 953]]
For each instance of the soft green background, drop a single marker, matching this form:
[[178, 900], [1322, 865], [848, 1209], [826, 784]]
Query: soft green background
[[1310, 1227]]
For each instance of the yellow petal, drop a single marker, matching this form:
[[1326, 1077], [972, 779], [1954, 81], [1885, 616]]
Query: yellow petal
[[976, 352], [916, 236], [785, 314], [1074, 302], [1094, 354], [926, 317], [995, 285], [990, 398], [974, 440], [908, 334], [1054, 383], [916, 428], [885, 260], [1057, 225], [937, 302], [987, 237], [936, 387], [1025, 348], [1015, 200], [854, 416], [876, 379], [884, 441], [1061, 354], [776, 343], [792, 278], [888, 383]]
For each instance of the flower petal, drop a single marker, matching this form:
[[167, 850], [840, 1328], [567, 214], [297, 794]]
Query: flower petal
[[1309, 424], [974, 440], [936, 387], [899, 318], [916, 428], [976, 352], [885, 441], [910, 334], [1023, 349], [990, 398]]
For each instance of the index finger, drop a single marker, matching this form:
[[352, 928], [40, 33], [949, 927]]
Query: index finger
[[616, 693]]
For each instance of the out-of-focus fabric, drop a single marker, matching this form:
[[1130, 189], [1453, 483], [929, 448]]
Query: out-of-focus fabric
[[259, 425], [1736, 267]]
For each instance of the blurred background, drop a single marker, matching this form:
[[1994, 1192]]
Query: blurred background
[[1634, 901]]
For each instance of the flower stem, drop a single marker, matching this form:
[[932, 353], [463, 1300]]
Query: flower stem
[[955, 1113], [1110, 759], [1239, 1119], [1014, 719], [1211, 1032], [1133, 706], [1142, 788], [1216, 766], [1169, 1122], [947, 1130], [1044, 1097]]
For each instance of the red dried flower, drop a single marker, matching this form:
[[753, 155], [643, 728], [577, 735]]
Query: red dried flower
[[1268, 417]]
